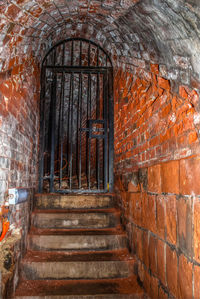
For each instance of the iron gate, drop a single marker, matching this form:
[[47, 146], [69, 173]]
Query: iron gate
[[76, 138]]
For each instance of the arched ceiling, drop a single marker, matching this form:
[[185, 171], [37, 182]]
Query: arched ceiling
[[132, 31]]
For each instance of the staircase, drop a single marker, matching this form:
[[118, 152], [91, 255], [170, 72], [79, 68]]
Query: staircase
[[77, 249]]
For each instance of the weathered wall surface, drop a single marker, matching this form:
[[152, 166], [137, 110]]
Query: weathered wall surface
[[157, 149], [19, 127], [157, 168]]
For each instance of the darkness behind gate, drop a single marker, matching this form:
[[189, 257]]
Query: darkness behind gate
[[76, 140]]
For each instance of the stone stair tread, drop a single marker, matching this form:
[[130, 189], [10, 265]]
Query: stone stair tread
[[105, 255], [79, 287], [76, 242], [117, 230], [70, 270], [77, 211], [73, 201]]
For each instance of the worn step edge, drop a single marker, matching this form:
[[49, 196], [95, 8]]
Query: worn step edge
[[75, 220], [116, 230], [76, 242], [76, 270], [77, 211], [56, 200], [105, 296], [105, 255], [79, 287]]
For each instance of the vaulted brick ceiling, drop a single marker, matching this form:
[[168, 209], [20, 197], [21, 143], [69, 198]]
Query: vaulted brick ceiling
[[164, 31]]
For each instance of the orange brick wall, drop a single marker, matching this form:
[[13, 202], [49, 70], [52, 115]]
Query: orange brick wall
[[157, 175], [19, 137]]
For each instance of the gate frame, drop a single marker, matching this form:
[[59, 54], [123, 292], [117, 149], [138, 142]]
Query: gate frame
[[108, 187]]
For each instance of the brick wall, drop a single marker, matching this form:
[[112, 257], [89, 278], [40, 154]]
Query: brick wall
[[19, 127], [157, 169]]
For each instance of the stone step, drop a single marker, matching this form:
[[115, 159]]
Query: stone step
[[117, 288], [71, 256], [76, 242], [77, 231], [78, 219], [76, 270], [106, 296], [60, 201]]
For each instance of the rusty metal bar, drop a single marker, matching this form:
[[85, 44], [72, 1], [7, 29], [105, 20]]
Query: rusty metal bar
[[53, 107], [89, 47], [97, 140], [61, 129], [80, 57], [105, 116], [71, 134], [80, 140], [72, 53]]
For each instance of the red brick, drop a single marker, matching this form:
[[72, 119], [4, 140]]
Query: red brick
[[197, 230], [162, 294], [163, 83], [147, 279], [154, 179], [184, 215], [146, 249], [171, 270], [184, 278], [171, 219], [170, 177], [140, 271], [161, 261], [153, 254], [192, 137], [153, 287], [132, 187], [139, 243], [150, 213], [154, 68], [135, 206], [190, 176], [144, 218], [196, 282], [160, 216]]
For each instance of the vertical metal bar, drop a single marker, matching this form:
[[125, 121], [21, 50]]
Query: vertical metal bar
[[61, 128], [80, 58], [87, 117], [105, 131], [78, 132], [89, 46], [90, 99], [42, 129], [97, 56], [71, 133], [89, 139], [54, 57], [72, 53], [53, 107], [63, 55], [111, 132], [97, 140], [69, 127], [59, 123], [80, 138]]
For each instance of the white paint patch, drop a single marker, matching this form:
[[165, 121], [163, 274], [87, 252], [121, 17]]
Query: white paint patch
[[172, 117], [196, 118], [70, 222]]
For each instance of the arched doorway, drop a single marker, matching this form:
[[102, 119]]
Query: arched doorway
[[76, 138]]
